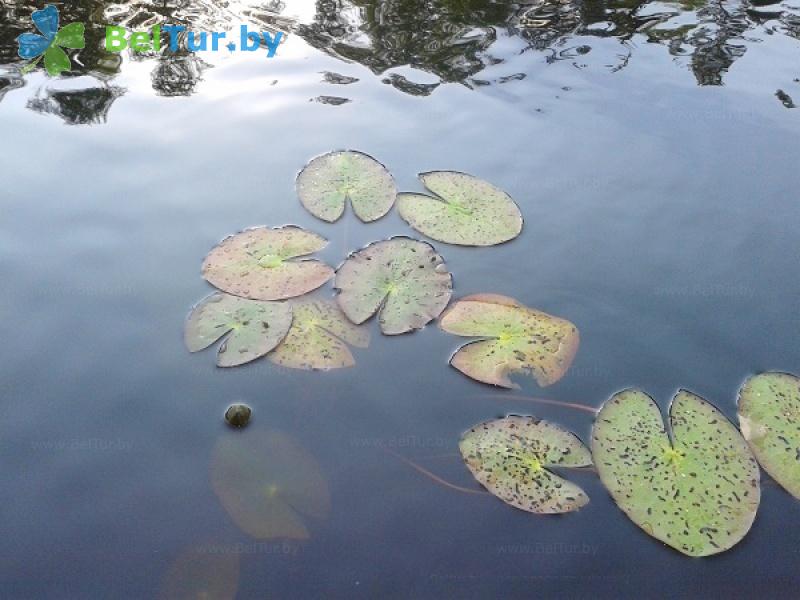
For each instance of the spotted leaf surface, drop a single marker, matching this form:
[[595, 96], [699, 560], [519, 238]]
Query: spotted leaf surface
[[251, 327], [466, 210], [403, 279], [697, 491], [264, 264], [319, 337], [329, 181], [510, 457], [769, 416], [268, 484], [518, 339]]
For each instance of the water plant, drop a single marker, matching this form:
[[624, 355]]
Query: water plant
[[318, 337], [694, 485], [199, 572], [403, 280], [514, 338], [695, 488], [769, 417], [465, 210], [512, 458], [251, 328], [267, 264], [327, 182], [268, 484], [238, 415]]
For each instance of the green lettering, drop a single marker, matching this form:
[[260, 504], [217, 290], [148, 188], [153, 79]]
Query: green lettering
[[140, 42], [115, 39]]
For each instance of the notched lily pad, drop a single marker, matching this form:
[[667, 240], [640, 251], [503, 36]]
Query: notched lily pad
[[404, 279], [264, 264], [769, 416], [268, 484], [466, 210], [518, 339], [328, 181], [254, 327], [696, 490], [510, 457], [318, 338]]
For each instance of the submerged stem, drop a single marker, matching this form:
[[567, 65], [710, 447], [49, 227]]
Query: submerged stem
[[447, 455], [572, 405], [430, 475]]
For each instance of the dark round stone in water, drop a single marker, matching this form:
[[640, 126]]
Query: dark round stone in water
[[238, 415]]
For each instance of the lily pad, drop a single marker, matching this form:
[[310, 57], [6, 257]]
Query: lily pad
[[518, 339], [255, 327], [202, 571], [510, 457], [262, 263], [404, 279], [318, 338], [696, 490], [268, 484], [769, 416], [466, 210], [328, 181]]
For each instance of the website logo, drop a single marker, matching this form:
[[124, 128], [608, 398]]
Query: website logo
[[119, 38], [50, 44]]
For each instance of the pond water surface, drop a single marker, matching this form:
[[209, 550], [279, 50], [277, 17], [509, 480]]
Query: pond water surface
[[653, 150]]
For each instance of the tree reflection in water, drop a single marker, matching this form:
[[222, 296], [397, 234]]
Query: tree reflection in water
[[86, 106], [451, 40], [174, 74]]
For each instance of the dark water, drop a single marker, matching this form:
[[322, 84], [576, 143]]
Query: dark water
[[652, 149]]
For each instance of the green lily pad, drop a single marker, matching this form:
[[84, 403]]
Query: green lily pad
[[255, 327], [696, 490], [318, 338], [328, 181], [510, 457], [466, 210], [404, 279], [268, 484], [518, 339], [769, 416], [262, 263]]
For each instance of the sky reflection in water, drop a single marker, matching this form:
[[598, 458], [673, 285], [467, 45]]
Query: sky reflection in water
[[439, 41]]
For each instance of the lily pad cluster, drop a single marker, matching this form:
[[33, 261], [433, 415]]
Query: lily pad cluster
[[264, 275], [464, 210], [256, 271], [693, 483]]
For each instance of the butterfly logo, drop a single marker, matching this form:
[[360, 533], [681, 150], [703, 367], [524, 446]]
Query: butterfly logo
[[51, 43]]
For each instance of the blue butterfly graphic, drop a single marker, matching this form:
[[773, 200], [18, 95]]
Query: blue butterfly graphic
[[49, 45]]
